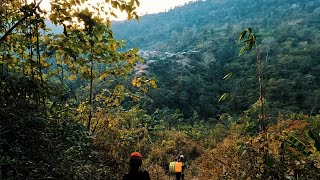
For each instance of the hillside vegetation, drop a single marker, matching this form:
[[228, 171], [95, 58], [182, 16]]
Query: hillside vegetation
[[76, 101], [203, 36]]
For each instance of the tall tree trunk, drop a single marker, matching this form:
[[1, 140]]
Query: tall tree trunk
[[38, 53], [262, 124], [31, 51], [91, 93]]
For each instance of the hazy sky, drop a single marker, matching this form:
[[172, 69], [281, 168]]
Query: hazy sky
[[146, 6], [153, 6]]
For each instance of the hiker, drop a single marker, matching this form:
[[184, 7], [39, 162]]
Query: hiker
[[135, 173], [180, 166]]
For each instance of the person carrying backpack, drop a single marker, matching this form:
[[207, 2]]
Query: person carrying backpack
[[180, 167], [135, 173]]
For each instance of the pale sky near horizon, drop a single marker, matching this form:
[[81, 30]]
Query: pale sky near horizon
[[146, 6]]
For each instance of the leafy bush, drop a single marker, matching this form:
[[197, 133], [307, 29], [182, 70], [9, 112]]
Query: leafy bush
[[269, 155]]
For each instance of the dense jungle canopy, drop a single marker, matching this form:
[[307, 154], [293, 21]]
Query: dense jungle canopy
[[232, 84]]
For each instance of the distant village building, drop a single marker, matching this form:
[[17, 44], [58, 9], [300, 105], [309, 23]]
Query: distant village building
[[192, 51], [150, 61], [153, 53], [141, 69], [295, 6], [147, 54], [169, 55]]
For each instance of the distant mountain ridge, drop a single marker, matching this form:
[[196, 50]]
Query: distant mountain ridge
[[154, 30]]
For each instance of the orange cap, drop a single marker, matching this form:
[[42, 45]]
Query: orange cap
[[135, 155]]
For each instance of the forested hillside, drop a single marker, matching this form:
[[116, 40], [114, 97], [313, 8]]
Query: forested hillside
[[79, 93], [184, 23], [202, 36]]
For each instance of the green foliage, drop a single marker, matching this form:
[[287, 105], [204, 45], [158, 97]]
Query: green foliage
[[74, 105], [243, 156], [315, 146], [289, 58], [42, 136], [36, 145], [250, 42]]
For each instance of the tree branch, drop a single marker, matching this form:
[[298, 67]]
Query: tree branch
[[19, 22]]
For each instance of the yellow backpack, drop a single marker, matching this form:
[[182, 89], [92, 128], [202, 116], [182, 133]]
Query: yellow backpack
[[175, 167], [171, 167]]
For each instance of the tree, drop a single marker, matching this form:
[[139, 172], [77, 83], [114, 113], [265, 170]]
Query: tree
[[88, 43], [42, 136], [251, 43]]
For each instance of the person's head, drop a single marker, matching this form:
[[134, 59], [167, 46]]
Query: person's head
[[135, 161], [181, 158]]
